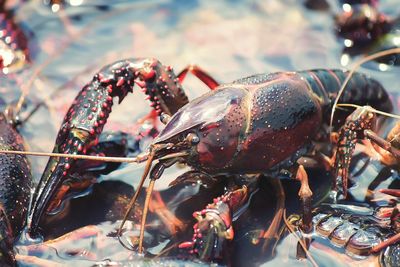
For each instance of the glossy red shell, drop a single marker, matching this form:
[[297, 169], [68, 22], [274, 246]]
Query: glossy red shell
[[249, 127]]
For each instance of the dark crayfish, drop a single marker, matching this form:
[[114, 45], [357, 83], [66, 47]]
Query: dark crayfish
[[15, 190], [14, 51], [259, 124], [367, 30]]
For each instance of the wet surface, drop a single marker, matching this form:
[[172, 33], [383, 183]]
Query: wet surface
[[230, 40]]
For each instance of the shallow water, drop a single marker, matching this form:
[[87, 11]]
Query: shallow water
[[229, 39]]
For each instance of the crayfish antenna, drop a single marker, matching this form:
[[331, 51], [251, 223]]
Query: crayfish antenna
[[136, 195], [144, 215], [137, 159]]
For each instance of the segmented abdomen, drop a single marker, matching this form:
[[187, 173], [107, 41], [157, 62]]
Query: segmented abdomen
[[360, 90], [352, 228]]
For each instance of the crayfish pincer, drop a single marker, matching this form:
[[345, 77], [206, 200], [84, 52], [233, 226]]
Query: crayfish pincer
[[261, 124]]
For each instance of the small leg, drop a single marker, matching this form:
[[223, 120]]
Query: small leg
[[271, 234], [353, 129], [199, 73], [384, 244], [72, 243], [392, 192], [157, 205], [316, 160], [389, 154], [305, 195]]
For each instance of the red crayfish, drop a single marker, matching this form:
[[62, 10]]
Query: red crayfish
[[14, 50], [15, 190], [261, 124]]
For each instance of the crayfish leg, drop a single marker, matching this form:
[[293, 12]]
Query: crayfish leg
[[199, 73], [389, 154], [305, 195], [271, 234], [353, 130], [171, 222]]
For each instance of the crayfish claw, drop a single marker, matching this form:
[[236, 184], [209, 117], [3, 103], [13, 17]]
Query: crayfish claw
[[90, 110], [214, 226]]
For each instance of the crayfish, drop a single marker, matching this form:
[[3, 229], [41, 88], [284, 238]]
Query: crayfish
[[14, 50], [365, 30], [262, 124], [15, 190]]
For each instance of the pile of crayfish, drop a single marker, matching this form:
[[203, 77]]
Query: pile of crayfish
[[256, 128], [246, 141]]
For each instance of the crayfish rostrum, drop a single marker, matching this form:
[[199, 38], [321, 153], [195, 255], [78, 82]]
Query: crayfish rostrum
[[260, 124]]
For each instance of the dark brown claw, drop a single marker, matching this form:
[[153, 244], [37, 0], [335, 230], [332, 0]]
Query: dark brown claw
[[89, 112]]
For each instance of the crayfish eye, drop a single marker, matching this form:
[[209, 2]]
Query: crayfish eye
[[165, 118], [192, 138]]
